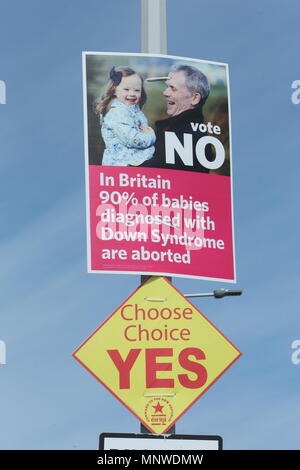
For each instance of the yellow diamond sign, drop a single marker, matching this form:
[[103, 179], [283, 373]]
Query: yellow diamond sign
[[157, 354]]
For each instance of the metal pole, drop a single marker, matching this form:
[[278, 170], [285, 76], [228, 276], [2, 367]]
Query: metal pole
[[154, 41], [211, 294], [153, 27], [217, 294]]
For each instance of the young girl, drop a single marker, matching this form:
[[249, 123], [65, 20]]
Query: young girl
[[128, 138]]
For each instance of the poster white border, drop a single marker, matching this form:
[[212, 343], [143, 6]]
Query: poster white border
[[86, 152]]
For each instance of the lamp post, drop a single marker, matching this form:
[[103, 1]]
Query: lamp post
[[217, 294], [153, 27], [154, 41]]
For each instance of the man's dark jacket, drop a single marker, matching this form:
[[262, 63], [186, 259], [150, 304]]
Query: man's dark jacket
[[180, 125]]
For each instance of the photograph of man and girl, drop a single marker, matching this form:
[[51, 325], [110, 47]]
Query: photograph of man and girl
[[131, 106]]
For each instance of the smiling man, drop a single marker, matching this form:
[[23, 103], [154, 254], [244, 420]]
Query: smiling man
[[183, 89], [186, 92]]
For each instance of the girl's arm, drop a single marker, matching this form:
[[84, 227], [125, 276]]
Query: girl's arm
[[125, 130], [146, 129]]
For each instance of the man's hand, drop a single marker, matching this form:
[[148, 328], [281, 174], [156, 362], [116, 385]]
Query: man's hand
[[146, 129]]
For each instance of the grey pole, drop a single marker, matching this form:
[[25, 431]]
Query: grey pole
[[154, 41], [153, 34], [2, 92], [153, 27]]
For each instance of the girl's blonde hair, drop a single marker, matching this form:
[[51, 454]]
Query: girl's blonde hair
[[102, 105]]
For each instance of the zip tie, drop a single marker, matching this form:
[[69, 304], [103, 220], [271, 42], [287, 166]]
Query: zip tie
[[160, 395], [155, 300], [154, 79]]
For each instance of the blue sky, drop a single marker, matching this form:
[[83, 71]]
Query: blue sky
[[49, 304]]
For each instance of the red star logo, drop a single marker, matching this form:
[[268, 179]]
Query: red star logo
[[158, 408]]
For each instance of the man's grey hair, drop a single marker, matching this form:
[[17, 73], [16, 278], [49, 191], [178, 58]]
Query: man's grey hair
[[195, 81]]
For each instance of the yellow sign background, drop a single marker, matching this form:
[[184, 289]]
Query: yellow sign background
[[158, 408]]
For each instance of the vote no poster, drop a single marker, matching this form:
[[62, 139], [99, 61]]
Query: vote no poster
[[158, 166]]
